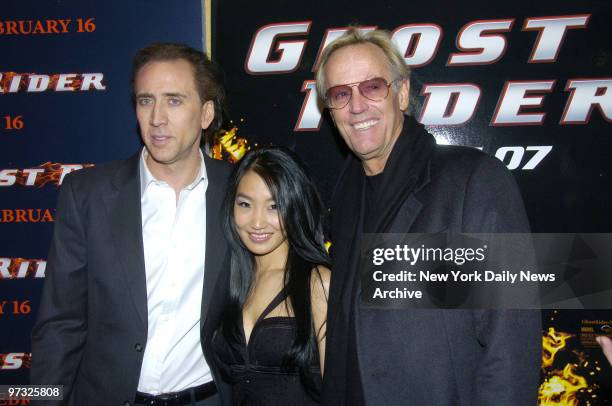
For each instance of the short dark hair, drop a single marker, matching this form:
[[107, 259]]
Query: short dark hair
[[207, 74]]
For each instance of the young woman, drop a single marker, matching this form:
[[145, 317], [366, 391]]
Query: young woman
[[271, 343]]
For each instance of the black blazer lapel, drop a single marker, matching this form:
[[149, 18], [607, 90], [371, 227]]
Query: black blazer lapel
[[411, 207], [124, 212], [346, 229], [216, 247], [408, 212]]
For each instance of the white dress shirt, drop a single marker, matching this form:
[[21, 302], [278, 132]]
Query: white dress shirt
[[174, 237]]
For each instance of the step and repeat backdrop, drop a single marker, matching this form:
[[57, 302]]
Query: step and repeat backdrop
[[527, 82], [64, 105]]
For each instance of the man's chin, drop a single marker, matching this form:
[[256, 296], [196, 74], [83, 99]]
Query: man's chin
[[159, 158], [365, 154]]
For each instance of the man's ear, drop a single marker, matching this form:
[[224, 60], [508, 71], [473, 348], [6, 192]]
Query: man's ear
[[404, 95], [208, 114]]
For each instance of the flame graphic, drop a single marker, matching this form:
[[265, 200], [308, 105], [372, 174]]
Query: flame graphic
[[551, 343], [229, 146], [5, 83], [75, 82], [567, 386], [13, 268], [561, 387], [26, 359], [52, 174], [7, 77]]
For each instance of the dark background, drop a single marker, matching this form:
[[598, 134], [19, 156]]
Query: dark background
[[70, 127], [569, 191]]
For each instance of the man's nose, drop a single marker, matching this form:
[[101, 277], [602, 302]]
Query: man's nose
[[357, 103], [158, 115]]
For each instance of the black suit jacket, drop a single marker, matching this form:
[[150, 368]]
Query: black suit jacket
[[92, 323], [430, 357]]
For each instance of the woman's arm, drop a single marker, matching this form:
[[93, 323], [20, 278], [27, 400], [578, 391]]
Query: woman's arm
[[319, 290]]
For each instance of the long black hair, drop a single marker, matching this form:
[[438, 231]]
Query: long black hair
[[301, 213]]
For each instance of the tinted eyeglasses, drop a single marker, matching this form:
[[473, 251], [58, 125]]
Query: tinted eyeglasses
[[375, 89]]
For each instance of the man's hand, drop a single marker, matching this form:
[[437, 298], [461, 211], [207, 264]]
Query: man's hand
[[606, 346]]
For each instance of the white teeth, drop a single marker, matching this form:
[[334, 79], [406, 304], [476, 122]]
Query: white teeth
[[259, 237], [364, 125]]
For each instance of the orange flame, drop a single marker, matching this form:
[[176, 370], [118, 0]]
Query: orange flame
[[26, 359], [52, 174], [15, 265], [75, 82], [551, 343], [561, 387], [7, 77], [565, 387], [229, 146]]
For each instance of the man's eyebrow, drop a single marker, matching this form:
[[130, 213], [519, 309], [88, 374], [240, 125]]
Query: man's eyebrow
[[172, 94], [181, 95]]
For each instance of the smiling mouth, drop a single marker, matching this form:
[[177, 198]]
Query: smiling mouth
[[364, 125], [259, 238]]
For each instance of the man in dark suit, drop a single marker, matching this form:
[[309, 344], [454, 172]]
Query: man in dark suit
[[138, 250], [397, 180]]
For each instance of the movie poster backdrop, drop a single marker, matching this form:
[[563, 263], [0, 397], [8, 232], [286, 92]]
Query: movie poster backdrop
[[528, 82], [64, 104]]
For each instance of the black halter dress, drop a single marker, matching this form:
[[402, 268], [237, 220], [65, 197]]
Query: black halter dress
[[255, 370]]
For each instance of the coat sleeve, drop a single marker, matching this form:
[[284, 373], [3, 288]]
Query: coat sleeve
[[511, 340], [58, 338]]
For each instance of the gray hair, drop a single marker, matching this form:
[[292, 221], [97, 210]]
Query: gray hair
[[381, 39]]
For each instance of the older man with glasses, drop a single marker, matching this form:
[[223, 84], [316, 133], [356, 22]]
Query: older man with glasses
[[399, 181]]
